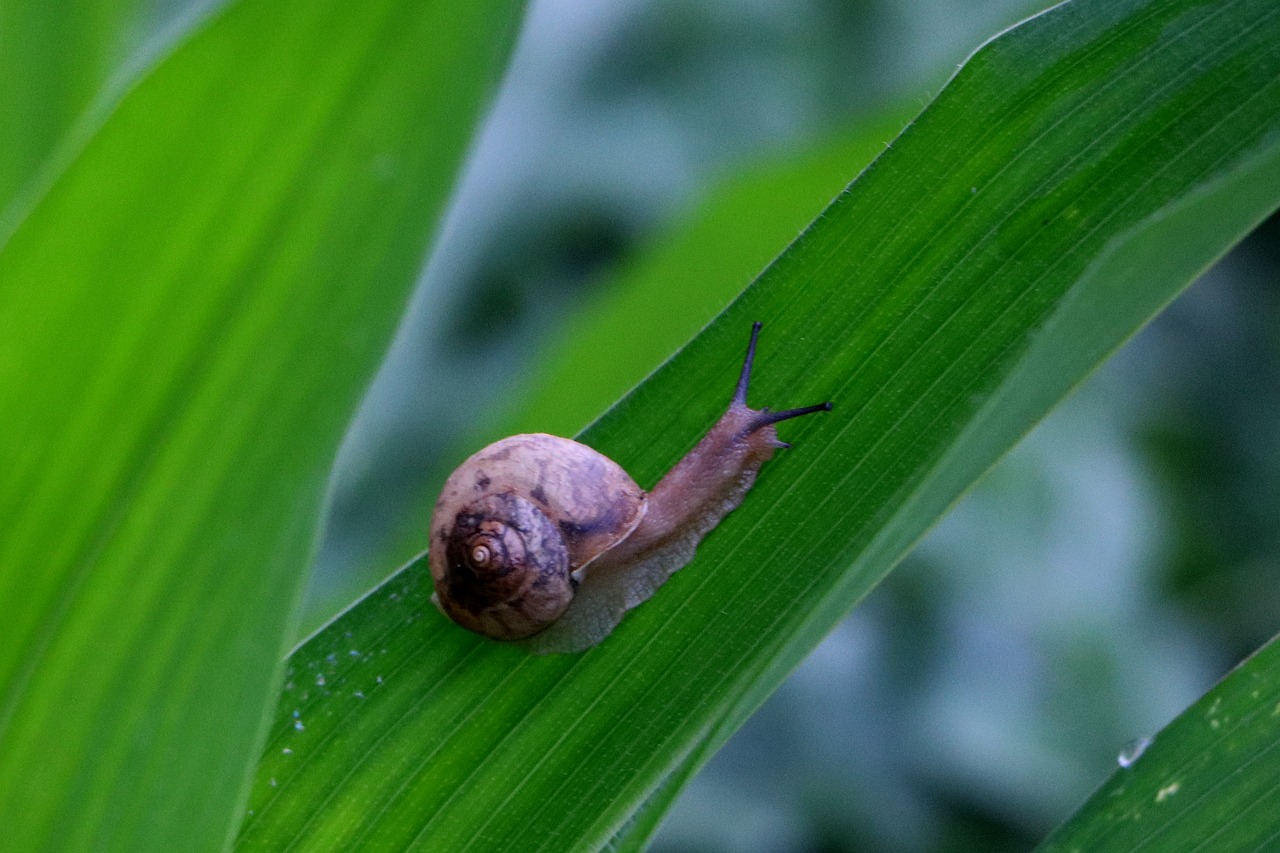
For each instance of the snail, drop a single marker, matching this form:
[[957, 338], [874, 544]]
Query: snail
[[543, 541]]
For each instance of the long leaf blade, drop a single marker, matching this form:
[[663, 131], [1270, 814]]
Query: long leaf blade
[[190, 315]]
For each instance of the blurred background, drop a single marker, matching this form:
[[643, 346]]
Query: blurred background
[[644, 160]]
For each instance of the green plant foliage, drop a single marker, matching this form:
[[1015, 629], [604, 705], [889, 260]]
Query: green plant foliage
[[675, 287], [190, 314], [1207, 782], [680, 284], [1073, 177], [67, 64]]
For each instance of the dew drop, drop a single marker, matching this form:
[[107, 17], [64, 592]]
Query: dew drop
[[286, 751], [1132, 751], [320, 682], [274, 783], [297, 724]]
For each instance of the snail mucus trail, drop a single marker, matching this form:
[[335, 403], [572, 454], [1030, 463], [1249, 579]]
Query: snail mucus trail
[[545, 542]]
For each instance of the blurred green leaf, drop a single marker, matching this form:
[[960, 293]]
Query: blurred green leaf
[[65, 64], [190, 314], [688, 276], [1027, 223], [1208, 781]]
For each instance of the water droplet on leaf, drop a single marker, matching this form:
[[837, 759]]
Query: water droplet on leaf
[[1132, 751]]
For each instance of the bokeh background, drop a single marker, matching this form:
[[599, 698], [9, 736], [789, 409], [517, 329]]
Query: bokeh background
[[1097, 581]]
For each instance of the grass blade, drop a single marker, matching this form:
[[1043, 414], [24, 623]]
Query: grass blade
[[190, 314]]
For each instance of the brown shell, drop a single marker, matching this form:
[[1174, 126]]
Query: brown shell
[[539, 508]]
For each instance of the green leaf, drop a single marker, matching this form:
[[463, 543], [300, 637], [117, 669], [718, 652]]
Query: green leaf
[[74, 61], [1023, 226], [687, 277], [190, 315], [1208, 781]]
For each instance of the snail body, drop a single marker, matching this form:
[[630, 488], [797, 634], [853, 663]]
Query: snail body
[[543, 541]]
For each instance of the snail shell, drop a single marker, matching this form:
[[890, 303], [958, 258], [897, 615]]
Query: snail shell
[[515, 525], [543, 541]]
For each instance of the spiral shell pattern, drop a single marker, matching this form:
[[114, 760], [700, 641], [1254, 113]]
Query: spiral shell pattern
[[516, 521], [507, 569]]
